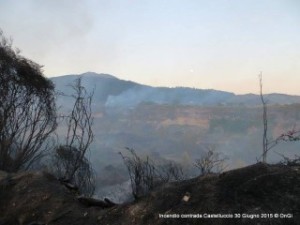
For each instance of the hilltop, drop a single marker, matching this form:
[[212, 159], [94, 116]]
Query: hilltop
[[114, 92], [255, 191]]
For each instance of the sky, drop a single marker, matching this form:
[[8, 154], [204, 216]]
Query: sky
[[218, 44]]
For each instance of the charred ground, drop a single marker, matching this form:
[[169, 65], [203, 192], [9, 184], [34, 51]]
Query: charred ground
[[38, 198]]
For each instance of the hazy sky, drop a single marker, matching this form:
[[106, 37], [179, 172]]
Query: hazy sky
[[220, 44]]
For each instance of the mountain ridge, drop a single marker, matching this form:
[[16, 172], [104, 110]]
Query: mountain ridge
[[111, 91]]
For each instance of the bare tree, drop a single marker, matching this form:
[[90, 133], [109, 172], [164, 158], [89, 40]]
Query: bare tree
[[70, 157], [27, 109], [211, 161], [292, 135], [170, 171], [141, 173], [287, 161], [145, 174], [266, 144]]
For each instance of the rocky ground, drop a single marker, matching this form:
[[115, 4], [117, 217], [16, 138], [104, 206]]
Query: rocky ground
[[257, 194]]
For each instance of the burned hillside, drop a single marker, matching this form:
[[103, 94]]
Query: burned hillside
[[252, 195]]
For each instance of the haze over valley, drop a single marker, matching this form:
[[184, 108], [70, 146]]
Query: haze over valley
[[177, 124], [149, 112]]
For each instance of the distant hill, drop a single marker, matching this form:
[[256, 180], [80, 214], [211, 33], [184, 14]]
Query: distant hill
[[113, 92], [177, 123], [104, 85]]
